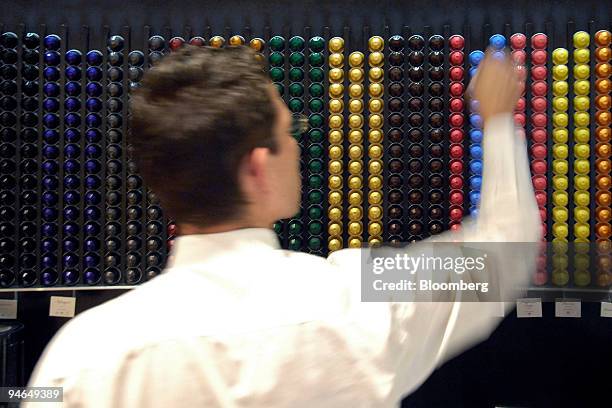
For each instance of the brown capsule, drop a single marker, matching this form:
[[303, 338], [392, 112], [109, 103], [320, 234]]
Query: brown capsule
[[435, 228], [603, 102], [415, 212], [396, 89], [436, 181], [417, 89], [436, 73], [435, 212], [415, 228], [395, 197], [415, 181], [415, 104], [415, 135], [436, 105], [395, 181], [395, 228], [415, 120], [435, 165], [395, 104], [416, 58], [415, 166], [435, 197], [396, 74], [415, 197], [395, 212], [436, 89], [436, 135], [395, 135], [396, 58], [436, 120], [396, 120], [436, 150], [416, 74], [396, 150], [396, 166], [415, 150], [603, 134]]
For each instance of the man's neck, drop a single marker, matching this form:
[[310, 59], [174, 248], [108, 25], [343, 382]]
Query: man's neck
[[191, 229]]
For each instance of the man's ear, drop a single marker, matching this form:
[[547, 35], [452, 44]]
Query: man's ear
[[255, 168]]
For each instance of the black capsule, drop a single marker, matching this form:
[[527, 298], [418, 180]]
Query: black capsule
[[113, 183], [8, 87], [29, 88], [31, 40], [112, 244], [153, 213], [436, 181], [8, 72], [436, 42], [415, 120], [29, 72], [436, 58], [416, 89], [113, 214], [396, 120], [415, 212], [114, 136], [28, 229], [396, 74], [8, 56], [416, 74], [436, 89], [113, 167], [415, 166], [134, 213], [416, 42], [153, 244], [396, 89], [112, 276], [133, 228], [115, 89], [395, 212], [132, 167], [8, 103], [396, 151], [113, 152], [132, 260], [396, 58], [152, 198], [396, 43], [115, 58], [133, 244], [395, 105], [436, 73], [111, 260], [415, 197], [113, 198], [134, 197], [115, 43], [153, 260], [154, 228], [30, 56], [395, 197], [133, 276], [7, 214]]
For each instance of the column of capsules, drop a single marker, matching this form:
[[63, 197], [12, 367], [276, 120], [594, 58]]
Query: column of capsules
[[456, 135], [475, 164], [395, 135], [315, 137], [582, 169], [436, 133], [336, 137], [560, 168], [603, 213], [375, 134], [416, 89]]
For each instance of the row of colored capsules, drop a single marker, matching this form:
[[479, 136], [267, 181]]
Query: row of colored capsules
[[416, 90], [336, 138], [475, 164], [355, 147], [395, 135], [457, 134], [435, 131], [376, 90]]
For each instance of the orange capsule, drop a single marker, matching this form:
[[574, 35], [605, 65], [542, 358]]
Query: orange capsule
[[603, 134], [603, 86], [603, 166], [604, 182], [602, 150], [603, 118], [603, 102], [603, 70], [604, 263], [603, 279], [603, 230], [603, 54], [603, 214], [603, 198], [603, 38]]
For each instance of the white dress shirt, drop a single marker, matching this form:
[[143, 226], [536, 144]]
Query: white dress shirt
[[235, 321]]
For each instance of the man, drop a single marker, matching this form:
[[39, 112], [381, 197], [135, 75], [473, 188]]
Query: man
[[236, 322]]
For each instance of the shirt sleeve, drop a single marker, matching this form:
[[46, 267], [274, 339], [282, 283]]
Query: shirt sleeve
[[403, 343]]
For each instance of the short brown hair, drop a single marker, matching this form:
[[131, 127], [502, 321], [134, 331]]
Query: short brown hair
[[196, 115]]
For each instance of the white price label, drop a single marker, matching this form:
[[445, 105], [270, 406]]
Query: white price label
[[62, 306], [606, 309], [8, 308], [529, 307], [568, 308]]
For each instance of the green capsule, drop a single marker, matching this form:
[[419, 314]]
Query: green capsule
[[316, 135], [315, 197], [315, 244], [315, 59], [295, 227], [277, 43], [295, 244], [280, 88], [276, 59], [296, 105], [315, 166], [296, 90], [296, 74], [315, 105], [296, 59], [315, 212], [277, 74], [315, 151], [315, 181], [315, 121], [316, 44], [316, 90], [315, 228], [278, 227], [316, 75], [296, 43]]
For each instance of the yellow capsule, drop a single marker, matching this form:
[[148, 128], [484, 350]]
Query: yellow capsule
[[560, 135], [582, 198], [356, 59], [560, 56], [581, 103], [560, 230], [257, 44], [559, 245], [259, 58], [354, 228], [355, 182], [336, 106], [581, 214], [356, 90], [355, 167], [336, 60], [375, 152], [582, 150], [335, 167], [581, 39], [335, 214], [560, 183], [560, 198], [374, 241], [336, 74], [375, 228], [560, 261], [560, 151], [560, 72], [581, 119], [355, 198], [560, 88], [335, 152], [582, 230], [581, 71], [581, 55], [355, 136], [560, 214], [355, 243], [582, 135], [335, 197], [376, 59], [356, 106], [375, 183], [375, 167], [376, 74], [335, 182], [375, 90], [334, 244], [582, 182], [560, 103], [582, 277], [560, 119], [355, 121], [335, 136], [581, 166], [581, 87], [560, 278], [356, 74], [355, 152], [354, 214], [560, 167], [336, 44], [374, 213], [375, 121], [236, 40], [217, 41], [374, 197], [376, 43], [336, 121], [375, 136], [335, 90], [334, 228], [375, 105]]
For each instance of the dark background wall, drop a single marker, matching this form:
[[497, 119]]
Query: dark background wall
[[526, 362]]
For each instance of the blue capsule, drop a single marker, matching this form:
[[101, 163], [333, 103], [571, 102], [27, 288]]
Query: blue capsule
[[72, 119], [52, 58], [73, 88], [91, 260], [474, 106], [92, 197], [499, 55], [50, 183], [51, 105], [49, 230], [476, 135], [476, 57], [51, 89], [52, 42], [92, 213], [48, 277], [94, 57], [92, 182], [73, 73], [72, 104], [70, 260], [70, 245], [475, 182], [71, 182], [48, 260], [71, 229], [49, 214], [92, 166], [48, 245], [51, 74], [91, 228], [72, 151], [94, 105], [91, 276], [72, 135], [71, 213], [93, 120], [476, 167], [474, 211], [94, 89], [472, 71], [71, 166], [51, 120], [497, 41], [73, 57], [49, 198], [50, 136], [92, 245], [50, 167], [71, 197], [476, 120], [94, 73], [70, 276], [476, 151], [93, 135], [474, 197], [93, 151], [50, 152]]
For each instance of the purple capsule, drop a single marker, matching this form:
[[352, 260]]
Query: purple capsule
[[92, 228], [48, 260], [92, 245], [93, 151], [50, 167], [73, 88], [52, 58], [93, 135], [92, 197], [94, 89], [71, 229], [51, 120], [70, 244], [48, 278], [72, 104], [474, 105], [73, 57], [91, 276], [51, 89], [49, 230], [71, 182], [70, 260], [94, 73], [71, 135], [94, 105], [49, 198], [70, 276], [51, 105], [71, 213], [72, 151], [92, 213], [49, 214], [94, 57], [50, 136], [50, 152], [71, 197], [72, 119], [52, 42], [93, 120], [92, 166], [71, 166], [48, 245], [91, 260], [73, 73], [51, 74], [92, 182]]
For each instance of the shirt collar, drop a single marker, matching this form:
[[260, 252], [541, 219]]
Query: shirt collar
[[198, 248]]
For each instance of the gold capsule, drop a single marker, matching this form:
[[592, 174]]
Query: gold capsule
[[355, 152], [217, 41], [355, 243], [355, 182], [356, 106], [336, 74], [257, 44], [355, 167], [335, 167], [335, 197], [375, 74], [259, 58], [375, 90], [356, 90], [376, 43], [354, 228], [336, 60], [336, 44], [355, 198], [335, 214], [374, 241], [335, 182], [356, 59], [375, 105], [335, 136], [355, 136], [334, 244], [374, 197], [375, 212], [375, 121], [335, 152], [375, 136], [336, 106], [335, 90], [355, 121], [236, 40], [335, 121], [356, 74], [375, 183], [355, 214], [375, 228], [375, 167], [375, 152], [334, 228], [376, 59]]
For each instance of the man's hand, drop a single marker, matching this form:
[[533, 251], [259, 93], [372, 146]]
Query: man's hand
[[496, 86]]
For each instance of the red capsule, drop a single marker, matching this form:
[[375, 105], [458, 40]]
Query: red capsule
[[456, 105], [520, 104], [456, 89], [456, 214], [456, 197], [539, 182], [538, 57], [456, 73], [538, 135], [456, 182], [539, 41], [538, 120], [540, 198], [456, 135], [518, 41], [456, 167], [455, 227], [539, 72], [456, 120], [456, 42], [197, 41], [456, 151], [456, 58], [543, 214], [539, 104], [519, 119], [538, 151], [539, 88], [519, 57], [521, 72], [538, 167], [176, 43]]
